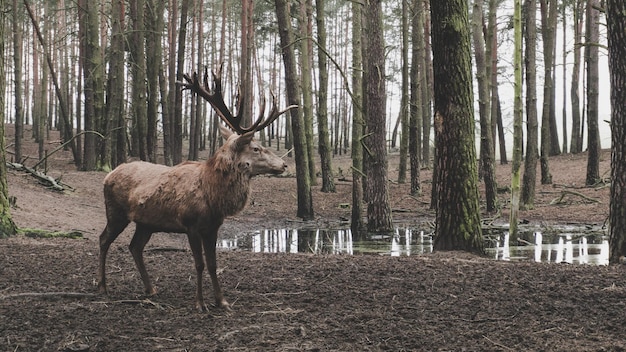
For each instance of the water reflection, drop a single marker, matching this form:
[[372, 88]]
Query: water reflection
[[563, 248]]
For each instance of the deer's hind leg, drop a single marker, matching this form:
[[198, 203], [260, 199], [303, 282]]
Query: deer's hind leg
[[113, 228], [140, 239]]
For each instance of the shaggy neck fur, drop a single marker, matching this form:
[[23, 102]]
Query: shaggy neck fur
[[226, 184]]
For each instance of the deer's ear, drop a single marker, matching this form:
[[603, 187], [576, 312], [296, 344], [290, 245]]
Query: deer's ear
[[245, 139], [225, 132]]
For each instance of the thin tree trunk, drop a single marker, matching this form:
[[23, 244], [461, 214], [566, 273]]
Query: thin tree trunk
[[62, 103], [328, 184], [591, 59], [532, 128], [517, 124], [404, 101], [138, 71], [486, 138], [576, 146], [154, 65], [115, 96], [418, 84], [17, 17], [305, 199], [356, 223]]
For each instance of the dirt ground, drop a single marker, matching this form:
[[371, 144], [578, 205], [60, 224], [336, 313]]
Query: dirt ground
[[280, 302]]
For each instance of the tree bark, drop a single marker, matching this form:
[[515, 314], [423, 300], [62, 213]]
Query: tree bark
[[532, 128], [404, 91], [591, 59], [154, 65], [7, 226], [378, 209], [418, 84], [138, 71], [356, 223], [305, 199], [458, 213], [576, 140], [616, 21], [328, 184], [116, 134], [486, 137]]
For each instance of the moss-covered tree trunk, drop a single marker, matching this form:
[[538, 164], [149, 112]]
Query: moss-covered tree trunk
[[7, 226], [616, 21], [458, 214]]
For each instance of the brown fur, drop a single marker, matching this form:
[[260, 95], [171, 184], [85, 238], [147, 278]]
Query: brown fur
[[192, 198]]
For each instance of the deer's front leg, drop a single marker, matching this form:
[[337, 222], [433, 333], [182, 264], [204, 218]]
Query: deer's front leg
[[196, 248], [208, 242]]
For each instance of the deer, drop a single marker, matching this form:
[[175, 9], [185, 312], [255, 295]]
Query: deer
[[193, 197]]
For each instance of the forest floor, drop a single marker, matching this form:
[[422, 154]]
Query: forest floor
[[431, 302]]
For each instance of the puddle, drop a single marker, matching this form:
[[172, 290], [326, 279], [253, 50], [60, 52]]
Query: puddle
[[567, 247]]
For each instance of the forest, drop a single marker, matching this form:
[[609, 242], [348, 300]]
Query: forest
[[110, 78], [454, 113]]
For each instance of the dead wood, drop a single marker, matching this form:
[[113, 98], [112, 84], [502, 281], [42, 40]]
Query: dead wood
[[48, 295], [44, 179], [559, 200]]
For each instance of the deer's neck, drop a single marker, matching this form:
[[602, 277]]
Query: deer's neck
[[227, 188]]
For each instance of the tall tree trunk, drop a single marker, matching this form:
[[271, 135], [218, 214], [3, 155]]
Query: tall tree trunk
[[305, 199], [154, 65], [307, 84], [577, 143], [616, 21], [139, 86], [177, 121], [62, 103], [517, 119], [115, 87], [356, 223], [93, 86], [532, 128], [245, 73], [172, 92], [7, 226], [591, 59], [486, 138], [404, 91], [427, 87], [17, 18], [458, 212], [328, 184], [564, 78], [378, 209], [548, 49], [418, 84]]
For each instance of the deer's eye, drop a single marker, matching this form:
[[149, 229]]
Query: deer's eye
[[256, 149]]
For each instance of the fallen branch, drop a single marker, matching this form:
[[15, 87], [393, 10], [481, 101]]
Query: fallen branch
[[46, 180], [559, 200], [47, 295]]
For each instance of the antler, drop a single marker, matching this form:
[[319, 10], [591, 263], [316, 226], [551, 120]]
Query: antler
[[216, 99]]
